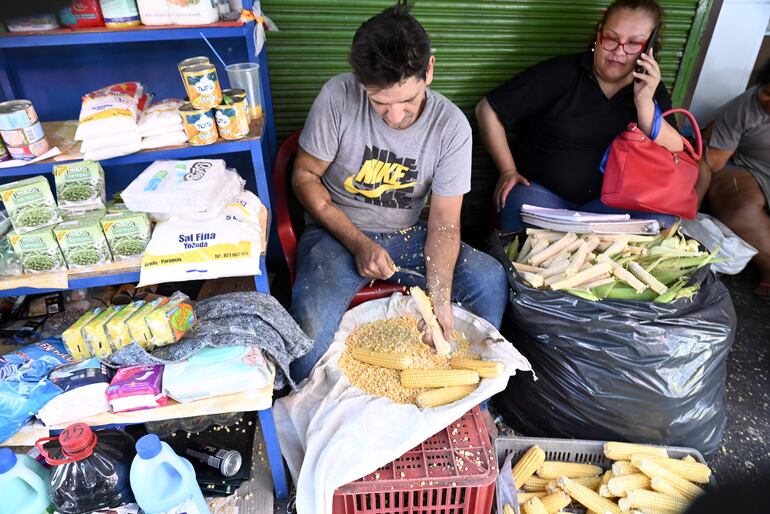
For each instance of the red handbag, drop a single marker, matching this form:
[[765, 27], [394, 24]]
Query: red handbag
[[641, 175]]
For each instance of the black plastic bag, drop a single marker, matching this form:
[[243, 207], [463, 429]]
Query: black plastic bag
[[620, 370]]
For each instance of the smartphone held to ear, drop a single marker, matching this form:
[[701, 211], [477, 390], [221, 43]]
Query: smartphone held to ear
[[650, 43]]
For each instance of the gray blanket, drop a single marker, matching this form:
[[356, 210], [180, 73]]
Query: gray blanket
[[254, 319]]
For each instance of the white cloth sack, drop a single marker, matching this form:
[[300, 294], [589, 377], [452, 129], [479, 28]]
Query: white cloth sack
[[177, 187], [113, 151], [162, 140], [227, 245], [332, 433], [713, 234], [111, 110]]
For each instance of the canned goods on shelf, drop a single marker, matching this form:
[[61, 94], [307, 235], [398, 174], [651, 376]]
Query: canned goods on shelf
[[202, 85], [229, 122], [29, 152], [192, 61], [17, 114], [4, 156], [241, 104], [199, 125], [23, 136]]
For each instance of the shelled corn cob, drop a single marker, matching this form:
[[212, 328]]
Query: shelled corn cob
[[645, 480], [608, 266]]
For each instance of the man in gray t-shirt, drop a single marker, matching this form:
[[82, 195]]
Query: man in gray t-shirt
[[376, 143], [738, 158]]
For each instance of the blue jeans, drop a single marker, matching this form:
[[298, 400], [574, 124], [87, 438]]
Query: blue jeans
[[327, 280], [535, 194]]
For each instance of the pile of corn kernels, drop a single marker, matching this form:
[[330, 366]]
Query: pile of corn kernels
[[394, 335]]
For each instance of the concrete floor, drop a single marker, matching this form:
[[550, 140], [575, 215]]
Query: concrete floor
[[745, 449]]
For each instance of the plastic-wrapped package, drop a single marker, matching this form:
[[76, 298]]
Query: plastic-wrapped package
[[713, 234], [176, 187], [111, 110], [620, 370], [194, 13]]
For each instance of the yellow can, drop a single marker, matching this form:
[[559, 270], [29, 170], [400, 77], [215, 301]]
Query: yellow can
[[202, 85], [237, 99], [191, 61], [229, 123], [199, 125]]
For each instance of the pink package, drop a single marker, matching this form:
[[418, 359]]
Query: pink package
[[136, 388]]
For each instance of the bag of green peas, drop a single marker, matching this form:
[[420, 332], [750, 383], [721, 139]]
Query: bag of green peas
[[30, 204], [37, 251], [82, 242], [80, 186]]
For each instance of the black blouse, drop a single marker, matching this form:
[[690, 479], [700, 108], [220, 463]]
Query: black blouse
[[566, 123]]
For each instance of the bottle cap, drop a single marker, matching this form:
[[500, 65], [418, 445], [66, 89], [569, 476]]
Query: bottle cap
[[77, 441], [148, 446], [7, 460]]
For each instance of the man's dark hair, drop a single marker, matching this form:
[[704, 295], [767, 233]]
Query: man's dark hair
[[763, 77], [389, 48]]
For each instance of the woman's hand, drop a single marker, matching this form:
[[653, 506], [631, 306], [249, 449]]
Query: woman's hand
[[505, 183], [646, 83]]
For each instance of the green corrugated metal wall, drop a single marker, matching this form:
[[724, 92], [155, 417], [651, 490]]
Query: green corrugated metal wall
[[478, 45]]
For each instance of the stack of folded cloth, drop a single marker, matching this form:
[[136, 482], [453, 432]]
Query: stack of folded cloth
[[161, 125], [108, 121]]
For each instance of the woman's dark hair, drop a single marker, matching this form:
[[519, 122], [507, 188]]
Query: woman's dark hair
[[763, 77], [649, 7], [389, 48]]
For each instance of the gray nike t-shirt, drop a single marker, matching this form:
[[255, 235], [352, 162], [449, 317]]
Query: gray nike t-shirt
[[380, 176]]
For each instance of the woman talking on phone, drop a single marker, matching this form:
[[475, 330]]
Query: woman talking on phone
[[569, 109]]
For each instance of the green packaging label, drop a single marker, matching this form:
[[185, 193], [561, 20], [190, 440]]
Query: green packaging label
[[128, 233], [82, 242], [37, 251], [30, 204], [80, 186]]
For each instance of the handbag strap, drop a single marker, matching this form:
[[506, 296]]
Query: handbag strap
[[695, 129]]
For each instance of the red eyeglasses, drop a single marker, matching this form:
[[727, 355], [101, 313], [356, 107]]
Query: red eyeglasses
[[611, 44]]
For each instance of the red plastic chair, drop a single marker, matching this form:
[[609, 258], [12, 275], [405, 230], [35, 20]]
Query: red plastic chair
[[284, 163]]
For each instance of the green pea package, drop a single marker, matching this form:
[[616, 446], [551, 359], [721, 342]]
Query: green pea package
[[30, 204], [80, 186], [37, 251], [82, 242], [128, 233]]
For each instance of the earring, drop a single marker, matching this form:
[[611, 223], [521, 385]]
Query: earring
[[593, 47]]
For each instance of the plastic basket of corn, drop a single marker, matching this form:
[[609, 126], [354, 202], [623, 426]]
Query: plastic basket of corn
[[452, 471], [590, 465]]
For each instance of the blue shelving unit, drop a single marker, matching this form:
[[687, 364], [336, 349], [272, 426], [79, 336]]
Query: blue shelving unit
[[54, 69]]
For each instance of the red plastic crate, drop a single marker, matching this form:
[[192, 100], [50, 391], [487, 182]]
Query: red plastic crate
[[452, 472]]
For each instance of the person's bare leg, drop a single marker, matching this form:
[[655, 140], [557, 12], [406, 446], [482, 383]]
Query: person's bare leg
[[737, 200]]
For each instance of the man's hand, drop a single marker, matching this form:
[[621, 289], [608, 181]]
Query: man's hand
[[444, 317], [372, 260], [505, 184]]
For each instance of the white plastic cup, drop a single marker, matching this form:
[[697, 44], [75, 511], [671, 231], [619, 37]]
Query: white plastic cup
[[246, 76]]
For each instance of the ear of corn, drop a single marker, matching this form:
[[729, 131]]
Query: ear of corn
[[534, 483], [583, 276], [689, 458], [525, 249], [426, 311], [615, 248], [527, 465], [442, 396], [382, 359], [640, 499], [420, 378], [588, 498], [623, 467], [622, 274], [534, 506], [525, 497], [645, 277], [507, 509], [589, 482], [519, 267], [614, 450], [555, 501], [663, 486], [532, 279], [553, 249], [618, 486], [485, 369], [692, 471], [650, 468], [553, 470]]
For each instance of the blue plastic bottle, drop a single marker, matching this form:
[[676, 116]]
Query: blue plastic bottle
[[23, 484], [163, 482]]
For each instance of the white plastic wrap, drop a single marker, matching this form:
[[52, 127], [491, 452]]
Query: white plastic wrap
[[201, 12], [332, 433], [713, 234]]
